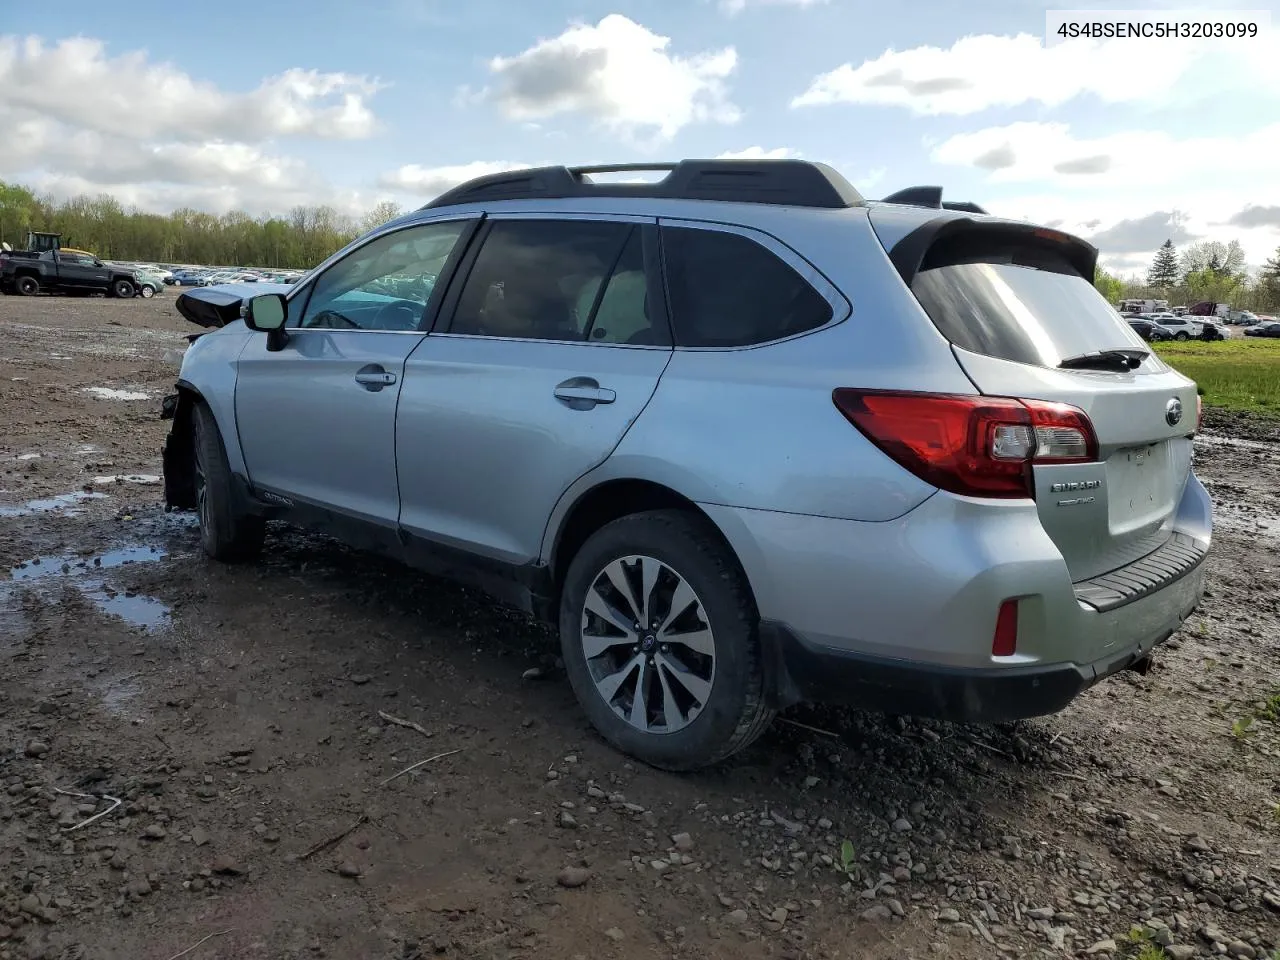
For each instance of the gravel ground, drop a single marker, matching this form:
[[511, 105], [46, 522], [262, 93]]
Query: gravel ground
[[194, 751]]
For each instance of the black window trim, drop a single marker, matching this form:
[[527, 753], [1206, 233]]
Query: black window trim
[[841, 308], [301, 294], [656, 289]]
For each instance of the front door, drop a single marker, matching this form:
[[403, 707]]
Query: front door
[[317, 419], [544, 358]]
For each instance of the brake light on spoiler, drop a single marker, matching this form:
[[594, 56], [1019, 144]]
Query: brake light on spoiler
[[971, 445]]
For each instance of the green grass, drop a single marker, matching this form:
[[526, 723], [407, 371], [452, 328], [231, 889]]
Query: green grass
[[1238, 375]]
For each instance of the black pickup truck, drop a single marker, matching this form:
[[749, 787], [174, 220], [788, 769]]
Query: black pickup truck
[[62, 271]]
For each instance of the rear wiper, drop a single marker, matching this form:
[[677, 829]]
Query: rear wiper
[[1123, 358]]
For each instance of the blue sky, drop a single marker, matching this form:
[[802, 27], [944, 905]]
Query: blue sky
[[264, 105]]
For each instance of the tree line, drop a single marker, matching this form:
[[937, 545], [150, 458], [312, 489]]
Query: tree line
[[306, 235], [1210, 270], [299, 239]]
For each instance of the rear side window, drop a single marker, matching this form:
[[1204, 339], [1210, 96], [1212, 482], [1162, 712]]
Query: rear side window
[[541, 279], [1022, 303], [726, 290]]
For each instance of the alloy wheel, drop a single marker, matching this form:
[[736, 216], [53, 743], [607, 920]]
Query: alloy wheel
[[648, 643]]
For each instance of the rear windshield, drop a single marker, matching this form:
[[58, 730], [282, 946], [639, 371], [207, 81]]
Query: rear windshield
[[1028, 305]]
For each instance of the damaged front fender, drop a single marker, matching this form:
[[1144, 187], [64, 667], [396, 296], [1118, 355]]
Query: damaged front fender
[[178, 452]]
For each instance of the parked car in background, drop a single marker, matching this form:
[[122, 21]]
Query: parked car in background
[[1214, 330], [1271, 329], [1149, 330], [1185, 327], [651, 415], [148, 284]]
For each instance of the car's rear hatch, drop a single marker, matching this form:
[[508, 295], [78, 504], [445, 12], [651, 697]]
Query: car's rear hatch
[[1024, 322]]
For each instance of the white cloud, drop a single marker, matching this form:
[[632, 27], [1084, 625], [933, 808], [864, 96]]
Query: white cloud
[[620, 74], [1050, 153], [433, 181], [1128, 225], [760, 153], [869, 180], [980, 72], [77, 121], [214, 198], [735, 7], [76, 82], [42, 144]]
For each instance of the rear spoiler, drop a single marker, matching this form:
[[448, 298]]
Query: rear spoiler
[[220, 305], [909, 253]]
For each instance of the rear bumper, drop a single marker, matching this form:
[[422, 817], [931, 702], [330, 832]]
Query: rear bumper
[[810, 672], [900, 614]]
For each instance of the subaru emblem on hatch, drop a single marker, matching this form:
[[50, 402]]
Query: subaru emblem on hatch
[[1173, 412]]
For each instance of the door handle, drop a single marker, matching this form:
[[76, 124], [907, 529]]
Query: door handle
[[373, 377], [583, 393]]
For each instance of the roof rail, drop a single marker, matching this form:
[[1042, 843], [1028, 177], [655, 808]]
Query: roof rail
[[930, 197], [796, 183]]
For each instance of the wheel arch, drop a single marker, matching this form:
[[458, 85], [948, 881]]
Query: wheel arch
[[221, 405], [585, 511]]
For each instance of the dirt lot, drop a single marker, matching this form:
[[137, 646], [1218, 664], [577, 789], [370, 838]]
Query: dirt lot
[[242, 717]]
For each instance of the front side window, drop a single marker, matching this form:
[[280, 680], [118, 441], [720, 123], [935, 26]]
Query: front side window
[[542, 280], [727, 290], [385, 284]]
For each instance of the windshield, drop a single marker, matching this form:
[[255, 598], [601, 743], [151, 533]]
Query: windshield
[[1024, 305]]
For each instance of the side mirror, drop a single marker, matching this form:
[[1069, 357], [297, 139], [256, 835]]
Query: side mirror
[[266, 313]]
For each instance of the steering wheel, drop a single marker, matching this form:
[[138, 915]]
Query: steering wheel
[[397, 316]]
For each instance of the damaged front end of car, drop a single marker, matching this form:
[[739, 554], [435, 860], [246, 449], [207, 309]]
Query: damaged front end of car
[[212, 308]]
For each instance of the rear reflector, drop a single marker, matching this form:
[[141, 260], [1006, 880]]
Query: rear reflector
[[971, 445], [1005, 641]]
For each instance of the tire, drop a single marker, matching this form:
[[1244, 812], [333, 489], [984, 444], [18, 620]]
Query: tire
[[147, 291], [27, 286], [122, 289], [226, 534], [1181, 335], [733, 713]]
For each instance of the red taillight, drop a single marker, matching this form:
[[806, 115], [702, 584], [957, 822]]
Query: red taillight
[[971, 445], [1004, 643]]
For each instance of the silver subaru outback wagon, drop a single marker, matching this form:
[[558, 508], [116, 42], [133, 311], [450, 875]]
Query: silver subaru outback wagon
[[744, 436]]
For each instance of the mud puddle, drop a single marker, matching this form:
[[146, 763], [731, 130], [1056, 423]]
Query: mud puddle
[[111, 393], [136, 609], [61, 502]]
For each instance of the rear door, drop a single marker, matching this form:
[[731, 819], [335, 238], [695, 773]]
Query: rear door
[[551, 343], [1015, 306]]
